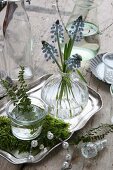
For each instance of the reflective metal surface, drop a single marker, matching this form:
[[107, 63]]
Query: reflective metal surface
[[93, 106]]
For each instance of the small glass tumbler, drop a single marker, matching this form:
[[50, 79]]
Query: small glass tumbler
[[108, 67], [27, 126]]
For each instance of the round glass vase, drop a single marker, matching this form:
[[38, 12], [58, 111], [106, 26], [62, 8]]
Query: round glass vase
[[65, 94], [27, 126]]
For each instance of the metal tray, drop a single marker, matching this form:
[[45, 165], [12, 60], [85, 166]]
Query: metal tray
[[97, 67], [93, 106]]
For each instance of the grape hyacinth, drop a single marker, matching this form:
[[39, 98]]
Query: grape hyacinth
[[74, 62], [50, 52], [62, 101], [76, 29], [66, 62], [29, 1], [57, 32]]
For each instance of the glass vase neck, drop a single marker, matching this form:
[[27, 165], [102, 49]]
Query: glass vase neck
[[64, 73]]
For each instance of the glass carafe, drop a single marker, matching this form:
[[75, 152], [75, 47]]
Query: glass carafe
[[88, 47], [17, 39]]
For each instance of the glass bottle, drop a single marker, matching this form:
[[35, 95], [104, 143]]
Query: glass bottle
[[88, 47], [17, 39]]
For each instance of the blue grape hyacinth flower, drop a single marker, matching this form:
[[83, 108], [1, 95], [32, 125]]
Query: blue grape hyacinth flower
[[74, 62], [57, 31], [76, 29]]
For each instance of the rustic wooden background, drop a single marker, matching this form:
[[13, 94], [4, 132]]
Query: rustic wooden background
[[42, 13]]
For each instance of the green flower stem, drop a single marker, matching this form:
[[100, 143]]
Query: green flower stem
[[64, 89], [60, 52], [68, 101], [56, 61], [68, 48], [81, 76], [58, 64]]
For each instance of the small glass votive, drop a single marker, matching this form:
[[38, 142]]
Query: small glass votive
[[27, 125], [108, 68]]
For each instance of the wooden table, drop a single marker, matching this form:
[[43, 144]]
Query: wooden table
[[42, 13]]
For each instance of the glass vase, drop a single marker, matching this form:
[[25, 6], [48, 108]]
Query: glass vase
[[17, 40], [88, 46], [65, 94], [27, 126]]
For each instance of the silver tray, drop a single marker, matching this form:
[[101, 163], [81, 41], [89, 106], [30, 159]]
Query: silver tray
[[97, 67], [93, 106]]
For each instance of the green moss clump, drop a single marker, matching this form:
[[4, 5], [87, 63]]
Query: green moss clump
[[8, 142]]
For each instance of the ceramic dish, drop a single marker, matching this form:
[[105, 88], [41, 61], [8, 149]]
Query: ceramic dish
[[97, 67]]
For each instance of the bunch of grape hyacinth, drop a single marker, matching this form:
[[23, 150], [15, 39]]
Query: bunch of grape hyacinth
[[57, 34], [63, 59]]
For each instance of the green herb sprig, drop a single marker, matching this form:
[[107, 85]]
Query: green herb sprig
[[18, 93], [94, 134]]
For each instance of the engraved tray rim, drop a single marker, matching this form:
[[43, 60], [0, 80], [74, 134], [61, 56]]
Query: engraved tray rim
[[35, 87]]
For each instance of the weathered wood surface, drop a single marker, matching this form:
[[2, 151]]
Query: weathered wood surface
[[42, 13]]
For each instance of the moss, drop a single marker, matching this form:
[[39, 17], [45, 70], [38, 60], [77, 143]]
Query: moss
[[8, 142]]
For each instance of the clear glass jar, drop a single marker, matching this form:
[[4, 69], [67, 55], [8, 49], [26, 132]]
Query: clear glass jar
[[65, 94], [27, 126], [88, 47], [17, 35]]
